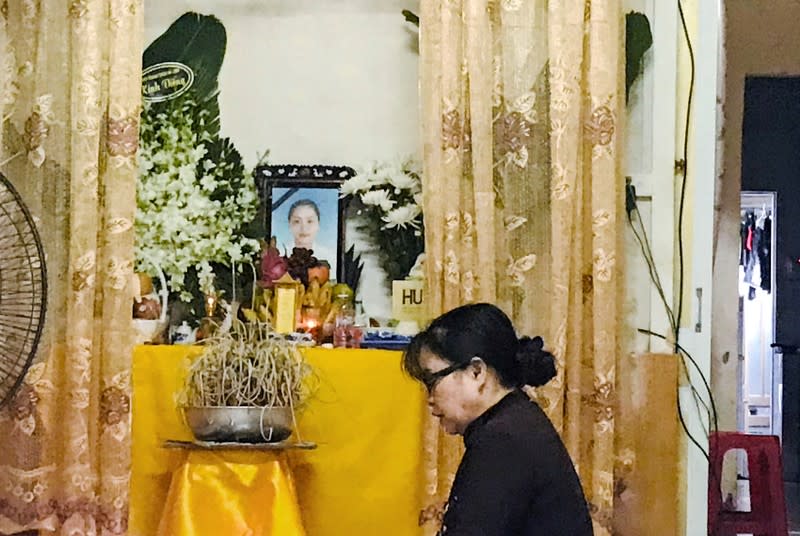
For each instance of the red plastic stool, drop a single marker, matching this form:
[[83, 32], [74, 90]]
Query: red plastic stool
[[767, 515]]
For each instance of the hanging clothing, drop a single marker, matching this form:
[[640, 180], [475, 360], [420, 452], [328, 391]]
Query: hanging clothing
[[755, 255], [764, 254], [743, 240], [748, 257]]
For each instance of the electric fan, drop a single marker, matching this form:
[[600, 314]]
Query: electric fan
[[23, 290]]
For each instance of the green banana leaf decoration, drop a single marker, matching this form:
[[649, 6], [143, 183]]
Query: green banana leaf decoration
[[199, 42], [353, 266]]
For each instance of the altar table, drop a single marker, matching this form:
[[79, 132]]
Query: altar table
[[362, 479]]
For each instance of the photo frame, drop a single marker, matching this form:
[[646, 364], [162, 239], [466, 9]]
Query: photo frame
[[301, 207]]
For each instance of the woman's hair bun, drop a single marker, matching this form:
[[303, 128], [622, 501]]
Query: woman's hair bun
[[538, 366]]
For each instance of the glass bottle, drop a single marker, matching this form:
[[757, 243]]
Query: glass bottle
[[345, 318], [360, 325]]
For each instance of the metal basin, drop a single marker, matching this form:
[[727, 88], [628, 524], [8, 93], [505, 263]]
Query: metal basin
[[242, 424]]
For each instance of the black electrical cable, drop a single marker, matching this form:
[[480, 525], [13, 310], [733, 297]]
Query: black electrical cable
[[682, 351], [644, 246], [700, 402], [682, 420], [679, 311], [679, 350], [683, 354], [676, 316]]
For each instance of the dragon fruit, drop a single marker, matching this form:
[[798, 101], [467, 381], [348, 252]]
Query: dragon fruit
[[273, 265]]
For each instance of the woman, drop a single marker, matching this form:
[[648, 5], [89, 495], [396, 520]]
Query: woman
[[304, 223], [516, 477]]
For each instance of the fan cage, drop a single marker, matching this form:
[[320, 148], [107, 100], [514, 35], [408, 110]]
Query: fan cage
[[23, 290]]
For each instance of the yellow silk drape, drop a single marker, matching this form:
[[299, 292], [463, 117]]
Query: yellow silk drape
[[523, 203], [158, 373], [70, 93], [232, 493], [366, 419]]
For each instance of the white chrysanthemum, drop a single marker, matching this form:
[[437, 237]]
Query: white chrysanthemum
[[356, 184], [384, 174], [409, 164], [378, 198], [402, 217], [404, 181]]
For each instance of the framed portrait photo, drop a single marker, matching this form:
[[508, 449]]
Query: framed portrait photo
[[302, 208]]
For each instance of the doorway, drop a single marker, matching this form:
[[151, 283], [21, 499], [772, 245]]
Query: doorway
[[771, 163], [760, 379]]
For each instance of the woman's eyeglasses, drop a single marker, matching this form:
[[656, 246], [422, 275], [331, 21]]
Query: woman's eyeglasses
[[431, 379]]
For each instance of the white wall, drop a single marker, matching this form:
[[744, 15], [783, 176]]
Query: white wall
[[314, 82]]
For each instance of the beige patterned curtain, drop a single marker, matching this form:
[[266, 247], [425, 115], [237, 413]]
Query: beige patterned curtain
[[70, 96], [523, 202]]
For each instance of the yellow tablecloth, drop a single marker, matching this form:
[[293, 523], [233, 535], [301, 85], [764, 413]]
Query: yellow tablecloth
[[361, 480]]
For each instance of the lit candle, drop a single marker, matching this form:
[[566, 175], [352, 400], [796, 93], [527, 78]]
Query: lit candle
[[310, 322], [211, 304]]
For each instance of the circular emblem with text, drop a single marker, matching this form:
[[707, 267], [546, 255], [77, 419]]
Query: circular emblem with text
[[165, 81]]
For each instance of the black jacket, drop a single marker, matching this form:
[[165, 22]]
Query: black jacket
[[516, 478]]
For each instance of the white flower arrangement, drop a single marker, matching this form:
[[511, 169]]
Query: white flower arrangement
[[388, 197], [193, 196]]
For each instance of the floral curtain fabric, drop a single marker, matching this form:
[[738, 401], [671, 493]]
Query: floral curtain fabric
[[523, 200], [70, 95]]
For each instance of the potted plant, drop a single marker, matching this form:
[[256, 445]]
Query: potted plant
[[246, 385]]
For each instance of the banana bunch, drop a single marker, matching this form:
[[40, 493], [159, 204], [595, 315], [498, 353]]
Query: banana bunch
[[262, 306], [333, 311], [318, 295]]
